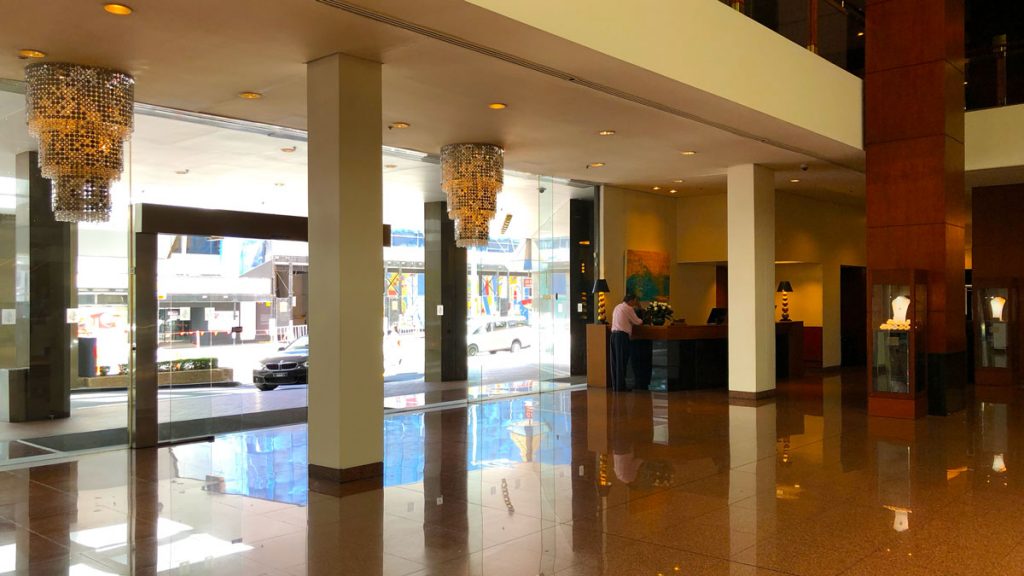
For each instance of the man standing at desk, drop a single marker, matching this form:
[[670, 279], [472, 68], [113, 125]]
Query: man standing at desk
[[623, 319]]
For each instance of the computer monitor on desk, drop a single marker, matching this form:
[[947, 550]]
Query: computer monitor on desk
[[717, 316]]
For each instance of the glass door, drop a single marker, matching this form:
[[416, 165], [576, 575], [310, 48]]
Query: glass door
[[232, 350]]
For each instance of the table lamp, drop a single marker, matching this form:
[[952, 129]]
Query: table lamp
[[785, 288], [600, 289]]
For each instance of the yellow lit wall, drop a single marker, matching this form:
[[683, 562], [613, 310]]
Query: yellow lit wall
[[636, 221], [696, 284], [818, 235], [805, 303]]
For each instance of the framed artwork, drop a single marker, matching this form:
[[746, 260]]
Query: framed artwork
[[647, 275]]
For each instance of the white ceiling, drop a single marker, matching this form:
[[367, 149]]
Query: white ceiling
[[192, 164], [197, 55]]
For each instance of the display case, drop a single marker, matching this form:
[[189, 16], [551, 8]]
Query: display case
[[897, 325], [995, 332]]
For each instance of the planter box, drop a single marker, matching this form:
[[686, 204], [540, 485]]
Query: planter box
[[163, 379]]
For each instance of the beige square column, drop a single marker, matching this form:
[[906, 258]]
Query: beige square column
[[346, 374], [751, 224]]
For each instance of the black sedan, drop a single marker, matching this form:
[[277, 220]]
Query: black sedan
[[289, 367]]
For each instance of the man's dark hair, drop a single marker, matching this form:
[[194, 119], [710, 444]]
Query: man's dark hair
[[629, 298]]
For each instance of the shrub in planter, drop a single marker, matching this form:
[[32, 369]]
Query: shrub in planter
[[187, 364]]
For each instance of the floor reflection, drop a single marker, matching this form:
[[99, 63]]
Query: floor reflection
[[561, 483]]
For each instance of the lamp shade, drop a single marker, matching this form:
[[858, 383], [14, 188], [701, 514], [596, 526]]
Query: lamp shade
[[785, 286], [601, 285]]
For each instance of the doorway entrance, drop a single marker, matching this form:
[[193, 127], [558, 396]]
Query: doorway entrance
[[853, 315], [220, 307]]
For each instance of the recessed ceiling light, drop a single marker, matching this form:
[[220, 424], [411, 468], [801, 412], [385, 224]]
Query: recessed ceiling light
[[656, 188], [607, 133], [118, 9], [29, 53], [595, 165], [289, 149], [678, 181], [398, 125], [794, 180], [390, 166], [497, 105], [672, 191], [688, 152], [250, 95]]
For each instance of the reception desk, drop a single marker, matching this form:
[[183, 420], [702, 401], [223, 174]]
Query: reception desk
[[685, 357]]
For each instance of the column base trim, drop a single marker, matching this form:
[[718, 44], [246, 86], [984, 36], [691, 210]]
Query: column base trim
[[759, 398], [345, 475]]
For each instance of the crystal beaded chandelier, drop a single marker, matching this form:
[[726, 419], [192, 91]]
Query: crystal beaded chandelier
[[81, 117], [471, 177]]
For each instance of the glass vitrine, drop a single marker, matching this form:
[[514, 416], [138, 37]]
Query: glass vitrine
[[897, 322], [995, 325]]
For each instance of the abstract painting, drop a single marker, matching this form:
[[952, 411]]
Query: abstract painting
[[647, 275]]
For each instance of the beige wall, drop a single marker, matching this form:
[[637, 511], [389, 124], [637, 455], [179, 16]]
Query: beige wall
[[636, 221], [696, 291], [819, 235], [702, 229], [993, 138], [825, 233], [805, 303], [702, 43]]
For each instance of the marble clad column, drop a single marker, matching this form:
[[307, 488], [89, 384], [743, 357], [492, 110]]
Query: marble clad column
[[346, 263], [751, 223], [44, 277], [444, 273]]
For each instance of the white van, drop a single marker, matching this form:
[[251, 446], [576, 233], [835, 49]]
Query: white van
[[492, 334]]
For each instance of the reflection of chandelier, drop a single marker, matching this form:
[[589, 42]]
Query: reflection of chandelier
[[526, 435], [471, 177], [81, 117]]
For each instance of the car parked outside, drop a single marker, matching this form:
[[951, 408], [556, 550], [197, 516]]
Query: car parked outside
[[289, 367], [488, 334]]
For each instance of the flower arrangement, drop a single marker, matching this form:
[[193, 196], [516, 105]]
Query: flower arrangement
[[658, 313]]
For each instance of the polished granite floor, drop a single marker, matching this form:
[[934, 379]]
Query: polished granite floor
[[564, 483]]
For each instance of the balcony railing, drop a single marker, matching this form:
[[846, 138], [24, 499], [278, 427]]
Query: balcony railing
[[995, 74], [834, 29]]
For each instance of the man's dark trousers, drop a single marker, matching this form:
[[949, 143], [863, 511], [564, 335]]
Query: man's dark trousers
[[620, 359]]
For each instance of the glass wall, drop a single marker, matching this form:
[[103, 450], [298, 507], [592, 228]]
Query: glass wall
[[233, 351], [64, 329], [214, 325], [518, 291]]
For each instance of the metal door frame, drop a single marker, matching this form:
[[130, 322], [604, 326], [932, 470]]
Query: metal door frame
[[148, 221]]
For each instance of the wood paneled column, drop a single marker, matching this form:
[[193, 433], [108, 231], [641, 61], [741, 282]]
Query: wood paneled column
[[914, 134]]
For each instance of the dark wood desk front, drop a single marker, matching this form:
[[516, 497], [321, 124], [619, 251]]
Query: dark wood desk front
[[698, 359]]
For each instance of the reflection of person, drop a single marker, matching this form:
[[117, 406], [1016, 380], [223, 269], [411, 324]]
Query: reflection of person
[[623, 319]]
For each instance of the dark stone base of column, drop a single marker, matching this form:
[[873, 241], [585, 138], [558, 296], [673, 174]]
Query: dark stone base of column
[[739, 398], [342, 481], [947, 383]]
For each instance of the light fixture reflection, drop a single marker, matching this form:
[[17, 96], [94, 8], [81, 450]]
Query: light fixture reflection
[[998, 464]]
